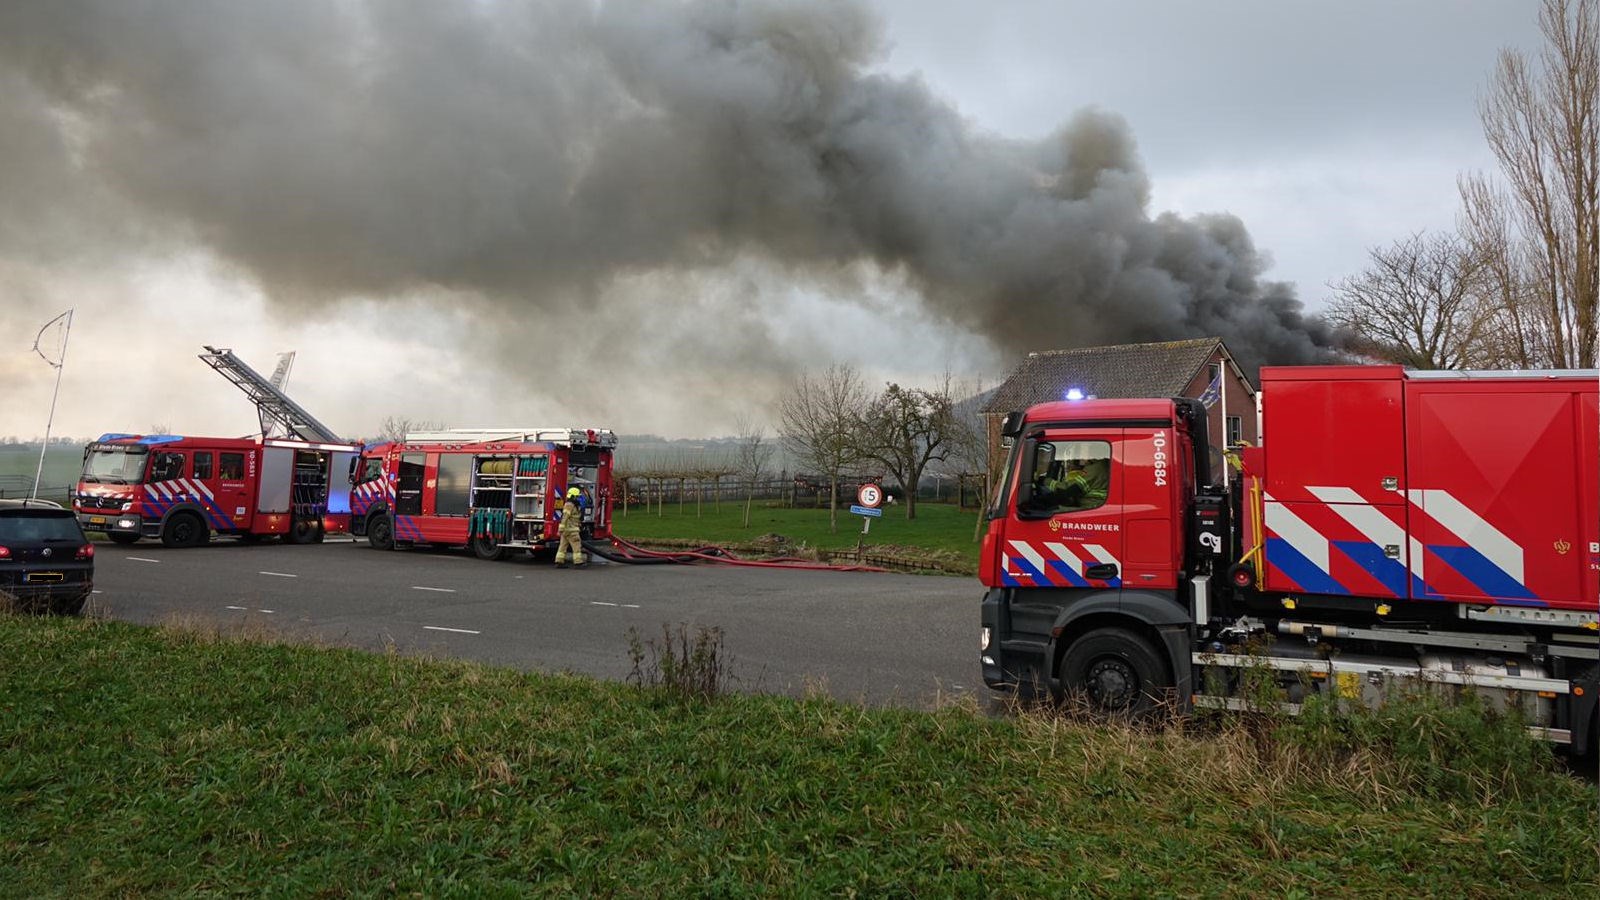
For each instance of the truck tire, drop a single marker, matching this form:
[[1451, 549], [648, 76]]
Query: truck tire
[[486, 548], [380, 534], [184, 530], [122, 537], [305, 531], [1115, 671]]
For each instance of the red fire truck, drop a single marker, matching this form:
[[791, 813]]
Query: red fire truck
[[488, 489], [183, 489], [1393, 526]]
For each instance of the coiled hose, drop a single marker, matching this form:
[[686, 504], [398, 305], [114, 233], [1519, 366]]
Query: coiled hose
[[620, 551]]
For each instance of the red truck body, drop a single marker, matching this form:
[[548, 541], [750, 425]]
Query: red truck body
[[1442, 526], [492, 490], [183, 489]]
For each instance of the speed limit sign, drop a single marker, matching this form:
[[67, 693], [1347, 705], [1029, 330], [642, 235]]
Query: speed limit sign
[[870, 496]]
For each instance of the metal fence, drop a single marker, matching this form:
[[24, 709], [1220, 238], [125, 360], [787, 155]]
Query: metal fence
[[804, 491], [12, 486]]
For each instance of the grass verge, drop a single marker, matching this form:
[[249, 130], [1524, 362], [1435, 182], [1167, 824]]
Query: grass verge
[[941, 531], [137, 760]]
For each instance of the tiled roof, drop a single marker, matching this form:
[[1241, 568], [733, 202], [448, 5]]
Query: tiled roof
[[1123, 370]]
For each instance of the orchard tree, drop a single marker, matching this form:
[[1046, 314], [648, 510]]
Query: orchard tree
[[905, 429], [820, 420]]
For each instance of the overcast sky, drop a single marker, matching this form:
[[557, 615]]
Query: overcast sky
[[154, 160]]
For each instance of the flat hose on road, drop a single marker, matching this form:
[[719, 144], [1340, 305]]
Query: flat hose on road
[[620, 551]]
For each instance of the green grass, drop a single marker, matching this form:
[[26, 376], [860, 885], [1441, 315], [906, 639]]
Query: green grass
[[938, 527], [61, 468], [137, 761]]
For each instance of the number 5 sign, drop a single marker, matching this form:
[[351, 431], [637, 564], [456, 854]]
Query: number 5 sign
[[870, 496]]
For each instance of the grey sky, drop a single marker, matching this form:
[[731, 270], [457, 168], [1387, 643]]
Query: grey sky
[[391, 193]]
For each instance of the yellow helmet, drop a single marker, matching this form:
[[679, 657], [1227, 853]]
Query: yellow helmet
[[573, 493]]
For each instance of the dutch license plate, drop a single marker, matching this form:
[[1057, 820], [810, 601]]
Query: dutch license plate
[[97, 520], [42, 577]]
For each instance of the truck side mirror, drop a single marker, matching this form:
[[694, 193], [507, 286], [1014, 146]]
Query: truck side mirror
[[1011, 425]]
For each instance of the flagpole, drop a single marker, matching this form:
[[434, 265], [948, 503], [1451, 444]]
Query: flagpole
[[1222, 391], [59, 366]]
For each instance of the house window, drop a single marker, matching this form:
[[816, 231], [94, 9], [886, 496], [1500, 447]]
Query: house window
[[1235, 430], [1213, 371]]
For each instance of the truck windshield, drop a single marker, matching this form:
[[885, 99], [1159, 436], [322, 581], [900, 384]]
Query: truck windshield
[[115, 465]]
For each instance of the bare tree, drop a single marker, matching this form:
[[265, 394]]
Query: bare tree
[[395, 428], [1541, 119], [821, 416], [754, 456], [907, 428], [1420, 303]]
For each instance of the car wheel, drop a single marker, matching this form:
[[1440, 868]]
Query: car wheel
[[184, 530], [380, 534], [1115, 671]]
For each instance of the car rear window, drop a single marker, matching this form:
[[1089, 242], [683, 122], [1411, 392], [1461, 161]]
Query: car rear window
[[39, 525]]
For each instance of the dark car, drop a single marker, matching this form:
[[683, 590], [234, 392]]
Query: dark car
[[46, 564]]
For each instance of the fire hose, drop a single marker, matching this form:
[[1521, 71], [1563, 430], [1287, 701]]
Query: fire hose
[[620, 551]]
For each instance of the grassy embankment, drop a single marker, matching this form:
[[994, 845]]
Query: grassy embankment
[[940, 530], [140, 760]]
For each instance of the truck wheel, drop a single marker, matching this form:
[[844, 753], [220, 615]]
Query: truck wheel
[[380, 534], [184, 530], [304, 531], [1116, 671], [122, 537], [487, 548]]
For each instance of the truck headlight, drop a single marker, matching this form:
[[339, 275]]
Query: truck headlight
[[125, 523], [985, 647]]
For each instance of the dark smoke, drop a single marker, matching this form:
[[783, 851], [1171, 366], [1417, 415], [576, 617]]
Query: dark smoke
[[532, 154]]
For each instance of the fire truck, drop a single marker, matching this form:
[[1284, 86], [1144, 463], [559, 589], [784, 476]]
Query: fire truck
[[1394, 527], [490, 490], [184, 489]]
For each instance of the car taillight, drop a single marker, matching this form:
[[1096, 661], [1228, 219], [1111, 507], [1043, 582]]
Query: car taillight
[[86, 552], [5, 552]]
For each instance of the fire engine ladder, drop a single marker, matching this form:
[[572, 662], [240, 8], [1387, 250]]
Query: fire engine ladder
[[273, 406]]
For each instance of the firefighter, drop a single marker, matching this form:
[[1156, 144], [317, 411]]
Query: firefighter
[[571, 519]]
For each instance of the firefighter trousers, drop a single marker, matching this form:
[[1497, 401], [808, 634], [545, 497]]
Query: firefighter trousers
[[570, 541]]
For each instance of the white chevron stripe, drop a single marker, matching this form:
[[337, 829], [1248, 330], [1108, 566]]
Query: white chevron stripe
[[1471, 529], [1302, 537], [1102, 554], [1026, 551], [1067, 556], [1373, 525], [201, 486]]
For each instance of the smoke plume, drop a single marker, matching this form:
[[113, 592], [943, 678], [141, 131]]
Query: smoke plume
[[532, 157]]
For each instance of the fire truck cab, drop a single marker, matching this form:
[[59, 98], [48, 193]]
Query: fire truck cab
[[491, 490], [183, 489], [1420, 527]]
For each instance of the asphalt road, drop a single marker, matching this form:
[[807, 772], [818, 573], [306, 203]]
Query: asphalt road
[[880, 639]]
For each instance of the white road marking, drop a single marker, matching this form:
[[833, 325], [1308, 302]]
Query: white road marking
[[278, 574], [418, 587], [600, 603], [630, 606], [236, 607], [268, 611], [454, 630], [94, 592], [141, 559]]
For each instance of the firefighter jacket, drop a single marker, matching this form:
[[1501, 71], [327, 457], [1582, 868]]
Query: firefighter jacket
[[571, 517]]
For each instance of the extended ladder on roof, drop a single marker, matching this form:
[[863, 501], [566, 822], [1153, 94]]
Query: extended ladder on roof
[[273, 406]]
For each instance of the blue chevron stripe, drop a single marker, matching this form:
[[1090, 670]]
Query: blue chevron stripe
[[1370, 557], [1485, 575], [1301, 570]]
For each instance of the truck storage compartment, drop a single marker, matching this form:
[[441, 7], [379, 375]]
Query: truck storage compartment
[[1333, 475], [1503, 506]]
